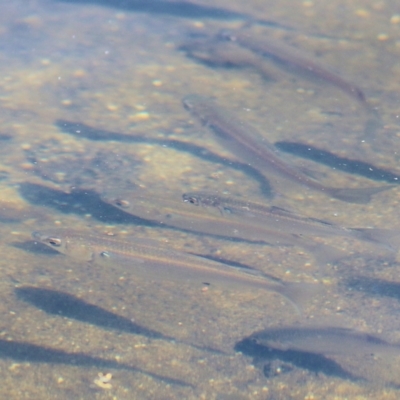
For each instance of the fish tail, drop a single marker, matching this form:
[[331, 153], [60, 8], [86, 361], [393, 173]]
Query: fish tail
[[322, 253], [299, 294], [359, 196]]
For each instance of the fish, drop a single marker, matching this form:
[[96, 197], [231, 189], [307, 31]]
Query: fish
[[151, 261], [295, 59], [246, 143], [287, 221], [170, 211], [228, 54], [325, 340]]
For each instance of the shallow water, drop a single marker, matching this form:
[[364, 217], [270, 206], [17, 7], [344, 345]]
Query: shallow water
[[91, 103]]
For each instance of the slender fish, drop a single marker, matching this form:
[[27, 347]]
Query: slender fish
[[286, 221], [170, 212], [249, 145], [294, 58], [245, 50], [229, 54], [325, 340], [151, 261]]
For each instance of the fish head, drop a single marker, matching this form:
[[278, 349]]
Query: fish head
[[65, 242], [48, 239], [209, 201], [117, 201], [191, 199], [117, 198]]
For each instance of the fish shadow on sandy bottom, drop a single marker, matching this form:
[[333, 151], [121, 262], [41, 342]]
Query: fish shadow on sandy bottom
[[79, 202], [183, 9], [350, 166], [274, 362], [101, 135], [67, 305], [33, 247], [373, 286], [28, 352], [83, 202]]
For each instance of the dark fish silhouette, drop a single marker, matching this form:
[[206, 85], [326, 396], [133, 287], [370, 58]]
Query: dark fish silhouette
[[374, 286], [184, 9], [246, 143], [350, 166], [27, 352], [266, 357], [82, 130], [66, 305]]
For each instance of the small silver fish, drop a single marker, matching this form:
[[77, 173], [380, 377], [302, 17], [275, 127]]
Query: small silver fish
[[169, 211], [151, 261], [246, 143], [324, 340], [281, 220], [295, 60]]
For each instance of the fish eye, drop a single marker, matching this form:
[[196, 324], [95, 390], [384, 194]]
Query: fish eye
[[56, 242], [191, 199], [105, 254], [122, 203], [187, 105]]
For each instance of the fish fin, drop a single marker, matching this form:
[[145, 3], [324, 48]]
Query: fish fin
[[387, 238], [282, 211], [359, 196], [299, 294], [322, 253], [325, 254]]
